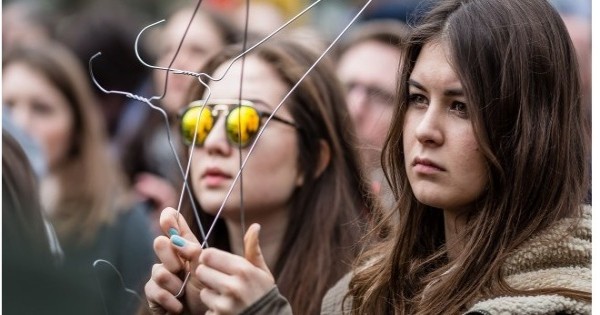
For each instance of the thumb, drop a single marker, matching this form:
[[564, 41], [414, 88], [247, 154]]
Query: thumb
[[252, 248]]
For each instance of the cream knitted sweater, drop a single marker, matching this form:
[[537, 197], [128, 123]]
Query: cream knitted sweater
[[559, 257]]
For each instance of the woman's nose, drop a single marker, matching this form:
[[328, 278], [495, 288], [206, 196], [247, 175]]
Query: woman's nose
[[429, 127], [216, 140]]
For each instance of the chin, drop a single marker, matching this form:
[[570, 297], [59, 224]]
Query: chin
[[212, 206], [431, 200]]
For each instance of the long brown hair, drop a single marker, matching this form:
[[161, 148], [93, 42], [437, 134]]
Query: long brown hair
[[89, 182], [327, 211], [519, 71], [22, 220]]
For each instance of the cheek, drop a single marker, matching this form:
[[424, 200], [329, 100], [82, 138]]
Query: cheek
[[272, 173], [473, 165], [408, 140], [56, 137]]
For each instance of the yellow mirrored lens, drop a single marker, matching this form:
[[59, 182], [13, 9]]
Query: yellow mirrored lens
[[188, 124], [242, 124]]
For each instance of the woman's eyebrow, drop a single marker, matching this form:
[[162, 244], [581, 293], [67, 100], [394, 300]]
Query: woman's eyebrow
[[262, 104], [454, 92], [416, 84], [448, 92]]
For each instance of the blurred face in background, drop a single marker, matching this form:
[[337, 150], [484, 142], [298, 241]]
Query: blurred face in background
[[369, 70], [202, 41], [40, 109]]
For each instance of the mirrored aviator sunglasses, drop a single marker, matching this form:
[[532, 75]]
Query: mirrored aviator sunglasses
[[242, 121]]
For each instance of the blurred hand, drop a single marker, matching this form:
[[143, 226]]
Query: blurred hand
[[233, 283], [158, 192], [156, 189], [178, 255]]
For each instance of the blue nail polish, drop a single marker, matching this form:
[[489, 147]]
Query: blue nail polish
[[177, 240], [173, 231]]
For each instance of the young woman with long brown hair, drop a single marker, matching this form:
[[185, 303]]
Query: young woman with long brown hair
[[487, 160], [303, 184]]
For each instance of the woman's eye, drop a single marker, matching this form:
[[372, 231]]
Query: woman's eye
[[8, 103], [41, 108], [417, 99], [460, 108]]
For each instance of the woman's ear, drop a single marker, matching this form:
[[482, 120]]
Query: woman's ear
[[324, 158]]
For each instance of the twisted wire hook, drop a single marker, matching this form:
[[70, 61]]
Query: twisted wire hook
[[169, 68], [201, 74], [124, 286]]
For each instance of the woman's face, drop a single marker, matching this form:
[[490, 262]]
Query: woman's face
[[40, 109], [370, 93], [272, 172], [442, 159]]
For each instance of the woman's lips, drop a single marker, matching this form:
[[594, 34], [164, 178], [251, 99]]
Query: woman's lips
[[426, 166], [215, 177]]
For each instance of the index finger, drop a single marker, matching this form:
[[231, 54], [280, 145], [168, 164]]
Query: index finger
[[173, 223]]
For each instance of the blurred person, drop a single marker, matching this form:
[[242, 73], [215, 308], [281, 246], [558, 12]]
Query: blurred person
[[208, 33], [580, 31], [303, 185], [31, 270], [367, 65], [263, 18], [23, 219], [487, 159], [47, 94], [26, 22]]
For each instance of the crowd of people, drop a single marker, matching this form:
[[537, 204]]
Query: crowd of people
[[436, 162]]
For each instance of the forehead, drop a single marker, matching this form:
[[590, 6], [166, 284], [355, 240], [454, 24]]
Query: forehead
[[433, 67], [259, 82], [370, 62], [20, 72], [201, 31]]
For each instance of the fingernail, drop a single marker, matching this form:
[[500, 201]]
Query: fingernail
[[173, 231], [177, 240]]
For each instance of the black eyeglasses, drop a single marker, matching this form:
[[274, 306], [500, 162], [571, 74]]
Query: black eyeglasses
[[242, 120]]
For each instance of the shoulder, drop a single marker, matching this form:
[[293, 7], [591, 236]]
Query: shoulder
[[563, 249], [558, 257], [333, 302], [538, 304]]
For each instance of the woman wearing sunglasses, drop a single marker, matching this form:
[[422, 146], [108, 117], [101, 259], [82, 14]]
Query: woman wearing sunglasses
[[302, 184]]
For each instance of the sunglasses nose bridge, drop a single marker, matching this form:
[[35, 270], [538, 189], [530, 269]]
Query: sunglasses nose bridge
[[220, 110], [216, 138]]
